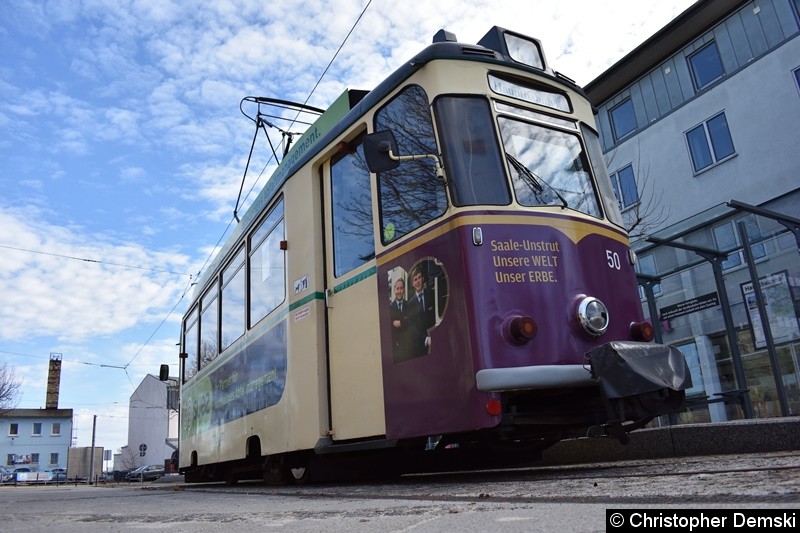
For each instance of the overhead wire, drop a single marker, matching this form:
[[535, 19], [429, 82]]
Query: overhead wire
[[252, 187], [313, 89], [87, 260], [216, 247]]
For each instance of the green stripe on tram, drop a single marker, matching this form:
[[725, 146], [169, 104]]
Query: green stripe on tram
[[355, 279]]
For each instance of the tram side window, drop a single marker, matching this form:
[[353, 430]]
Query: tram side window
[[353, 243], [190, 346], [233, 306], [411, 195], [470, 152], [267, 266], [209, 326]]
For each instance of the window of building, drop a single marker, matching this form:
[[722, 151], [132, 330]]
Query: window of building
[[35, 458], [710, 142], [267, 265], [37, 429], [797, 77], [706, 65], [353, 242], [624, 183], [623, 119], [53, 458], [410, 195], [10, 459], [233, 306], [56, 430], [726, 238], [13, 429]]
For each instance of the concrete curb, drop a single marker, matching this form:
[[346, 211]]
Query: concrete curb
[[740, 436]]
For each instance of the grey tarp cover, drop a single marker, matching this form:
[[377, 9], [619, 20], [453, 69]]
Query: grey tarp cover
[[626, 368]]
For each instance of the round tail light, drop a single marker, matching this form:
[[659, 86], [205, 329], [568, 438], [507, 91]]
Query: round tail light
[[642, 331], [521, 329]]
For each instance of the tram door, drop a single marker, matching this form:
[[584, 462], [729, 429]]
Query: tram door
[[351, 300]]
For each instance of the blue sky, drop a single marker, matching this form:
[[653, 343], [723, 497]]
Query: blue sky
[[122, 150]]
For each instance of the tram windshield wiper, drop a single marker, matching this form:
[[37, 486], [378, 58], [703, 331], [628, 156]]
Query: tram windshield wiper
[[536, 183]]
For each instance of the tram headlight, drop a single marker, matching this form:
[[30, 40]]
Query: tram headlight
[[593, 316]]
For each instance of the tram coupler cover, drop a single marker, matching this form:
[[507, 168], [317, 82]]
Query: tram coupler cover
[[626, 368]]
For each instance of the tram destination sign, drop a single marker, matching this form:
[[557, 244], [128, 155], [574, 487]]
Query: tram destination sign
[[687, 307]]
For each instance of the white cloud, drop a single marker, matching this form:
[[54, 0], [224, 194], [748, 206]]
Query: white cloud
[[118, 286], [122, 142]]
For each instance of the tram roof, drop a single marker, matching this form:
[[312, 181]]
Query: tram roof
[[351, 105]]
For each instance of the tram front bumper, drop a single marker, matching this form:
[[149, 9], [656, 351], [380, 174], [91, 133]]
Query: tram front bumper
[[626, 368]]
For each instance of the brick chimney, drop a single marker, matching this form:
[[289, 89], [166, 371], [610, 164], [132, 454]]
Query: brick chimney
[[53, 381]]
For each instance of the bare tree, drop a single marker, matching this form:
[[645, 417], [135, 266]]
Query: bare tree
[[127, 458], [649, 213], [9, 388]]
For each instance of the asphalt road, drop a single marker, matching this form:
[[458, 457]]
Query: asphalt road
[[552, 498]]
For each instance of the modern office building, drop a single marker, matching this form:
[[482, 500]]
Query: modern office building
[[699, 126]]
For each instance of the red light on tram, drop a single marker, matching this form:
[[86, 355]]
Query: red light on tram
[[494, 407], [522, 329], [642, 331]]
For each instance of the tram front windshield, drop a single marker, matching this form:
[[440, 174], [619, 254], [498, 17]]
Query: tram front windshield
[[548, 166]]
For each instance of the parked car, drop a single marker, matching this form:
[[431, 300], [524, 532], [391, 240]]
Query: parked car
[[58, 475], [6, 475], [145, 473], [22, 469]]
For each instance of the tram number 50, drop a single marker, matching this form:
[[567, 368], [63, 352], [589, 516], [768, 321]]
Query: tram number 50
[[613, 259]]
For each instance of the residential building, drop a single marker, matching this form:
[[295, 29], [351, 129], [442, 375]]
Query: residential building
[[699, 126], [152, 425], [35, 438]]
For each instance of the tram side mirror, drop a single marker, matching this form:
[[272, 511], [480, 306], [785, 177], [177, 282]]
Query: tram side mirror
[[376, 151], [163, 373]]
